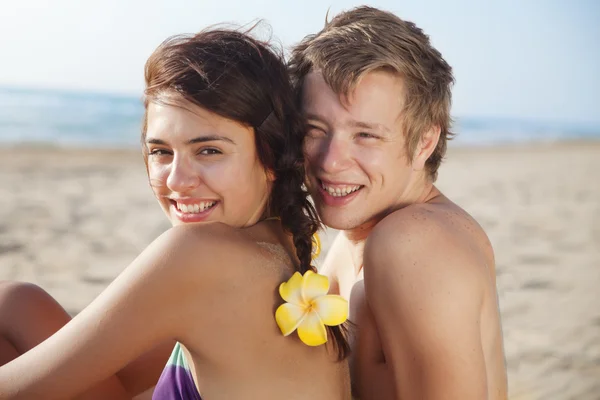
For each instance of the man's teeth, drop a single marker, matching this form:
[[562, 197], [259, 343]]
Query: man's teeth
[[340, 191], [195, 208]]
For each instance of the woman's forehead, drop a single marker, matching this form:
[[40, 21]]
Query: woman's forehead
[[188, 121]]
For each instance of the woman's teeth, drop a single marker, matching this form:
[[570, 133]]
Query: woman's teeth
[[195, 208]]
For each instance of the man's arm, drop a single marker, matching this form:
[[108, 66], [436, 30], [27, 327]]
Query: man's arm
[[425, 290]]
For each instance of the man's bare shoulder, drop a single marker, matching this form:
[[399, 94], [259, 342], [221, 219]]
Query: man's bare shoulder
[[431, 241], [426, 282]]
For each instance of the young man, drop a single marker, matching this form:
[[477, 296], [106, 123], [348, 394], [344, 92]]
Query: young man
[[418, 270]]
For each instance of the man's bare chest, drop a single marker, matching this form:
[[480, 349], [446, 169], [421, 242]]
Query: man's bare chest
[[364, 331], [368, 368]]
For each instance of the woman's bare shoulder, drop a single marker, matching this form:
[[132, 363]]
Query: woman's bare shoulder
[[219, 253], [225, 270]]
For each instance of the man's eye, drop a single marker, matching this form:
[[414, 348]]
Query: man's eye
[[366, 135], [209, 152]]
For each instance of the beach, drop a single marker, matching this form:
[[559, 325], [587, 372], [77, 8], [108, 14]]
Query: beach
[[72, 219]]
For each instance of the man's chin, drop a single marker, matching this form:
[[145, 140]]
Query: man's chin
[[338, 219]]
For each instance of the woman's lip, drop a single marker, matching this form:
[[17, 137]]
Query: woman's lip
[[189, 200]]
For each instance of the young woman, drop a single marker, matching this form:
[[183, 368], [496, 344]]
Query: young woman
[[223, 148]]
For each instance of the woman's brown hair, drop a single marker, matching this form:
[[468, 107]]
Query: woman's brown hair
[[238, 77]]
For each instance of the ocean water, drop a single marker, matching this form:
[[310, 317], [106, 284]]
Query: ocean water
[[49, 117], [60, 118]]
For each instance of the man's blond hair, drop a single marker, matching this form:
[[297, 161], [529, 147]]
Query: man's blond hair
[[367, 39]]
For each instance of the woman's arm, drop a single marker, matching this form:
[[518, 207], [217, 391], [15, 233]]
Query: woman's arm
[[139, 310], [28, 316]]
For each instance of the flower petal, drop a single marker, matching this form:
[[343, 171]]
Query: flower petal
[[291, 291], [314, 285], [316, 246], [288, 317], [311, 330], [332, 309]]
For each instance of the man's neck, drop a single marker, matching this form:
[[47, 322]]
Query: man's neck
[[357, 237], [355, 240]]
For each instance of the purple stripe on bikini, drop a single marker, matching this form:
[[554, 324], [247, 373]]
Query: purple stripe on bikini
[[175, 383]]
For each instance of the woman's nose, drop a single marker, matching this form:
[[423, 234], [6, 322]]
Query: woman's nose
[[182, 176]]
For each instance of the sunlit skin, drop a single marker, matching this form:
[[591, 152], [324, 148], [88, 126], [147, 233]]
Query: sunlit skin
[[404, 247], [210, 283], [196, 157], [358, 141]]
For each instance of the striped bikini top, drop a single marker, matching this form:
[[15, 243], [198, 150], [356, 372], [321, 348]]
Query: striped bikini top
[[176, 381]]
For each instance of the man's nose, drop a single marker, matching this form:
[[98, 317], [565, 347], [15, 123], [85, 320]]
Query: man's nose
[[335, 155]]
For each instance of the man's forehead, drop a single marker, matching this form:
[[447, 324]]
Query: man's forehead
[[347, 87], [319, 99], [314, 88], [359, 109]]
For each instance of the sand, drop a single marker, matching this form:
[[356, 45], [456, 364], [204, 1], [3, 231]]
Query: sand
[[71, 220]]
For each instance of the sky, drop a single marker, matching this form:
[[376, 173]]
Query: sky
[[530, 59]]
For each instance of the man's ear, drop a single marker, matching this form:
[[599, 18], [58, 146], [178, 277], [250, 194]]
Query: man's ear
[[425, 148]]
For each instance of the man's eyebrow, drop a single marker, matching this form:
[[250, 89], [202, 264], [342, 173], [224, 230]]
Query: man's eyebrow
[[313, 117], [366, 125], [199, 139], [352, 124]]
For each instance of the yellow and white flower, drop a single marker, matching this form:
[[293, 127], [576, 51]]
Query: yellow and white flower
[[316, 246], [309, 308]]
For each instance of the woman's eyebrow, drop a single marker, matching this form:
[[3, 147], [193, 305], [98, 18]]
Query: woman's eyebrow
[[199, 139]]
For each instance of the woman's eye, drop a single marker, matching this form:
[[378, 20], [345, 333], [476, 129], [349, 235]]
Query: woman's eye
[[209, 152], [314, 132], [159, 152]]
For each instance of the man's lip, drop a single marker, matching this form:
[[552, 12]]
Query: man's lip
[[333, 201], [332, 183]]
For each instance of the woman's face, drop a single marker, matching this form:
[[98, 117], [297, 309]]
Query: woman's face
[[203, 167]]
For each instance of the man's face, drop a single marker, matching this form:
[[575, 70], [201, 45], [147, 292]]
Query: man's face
[[357, 166]]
